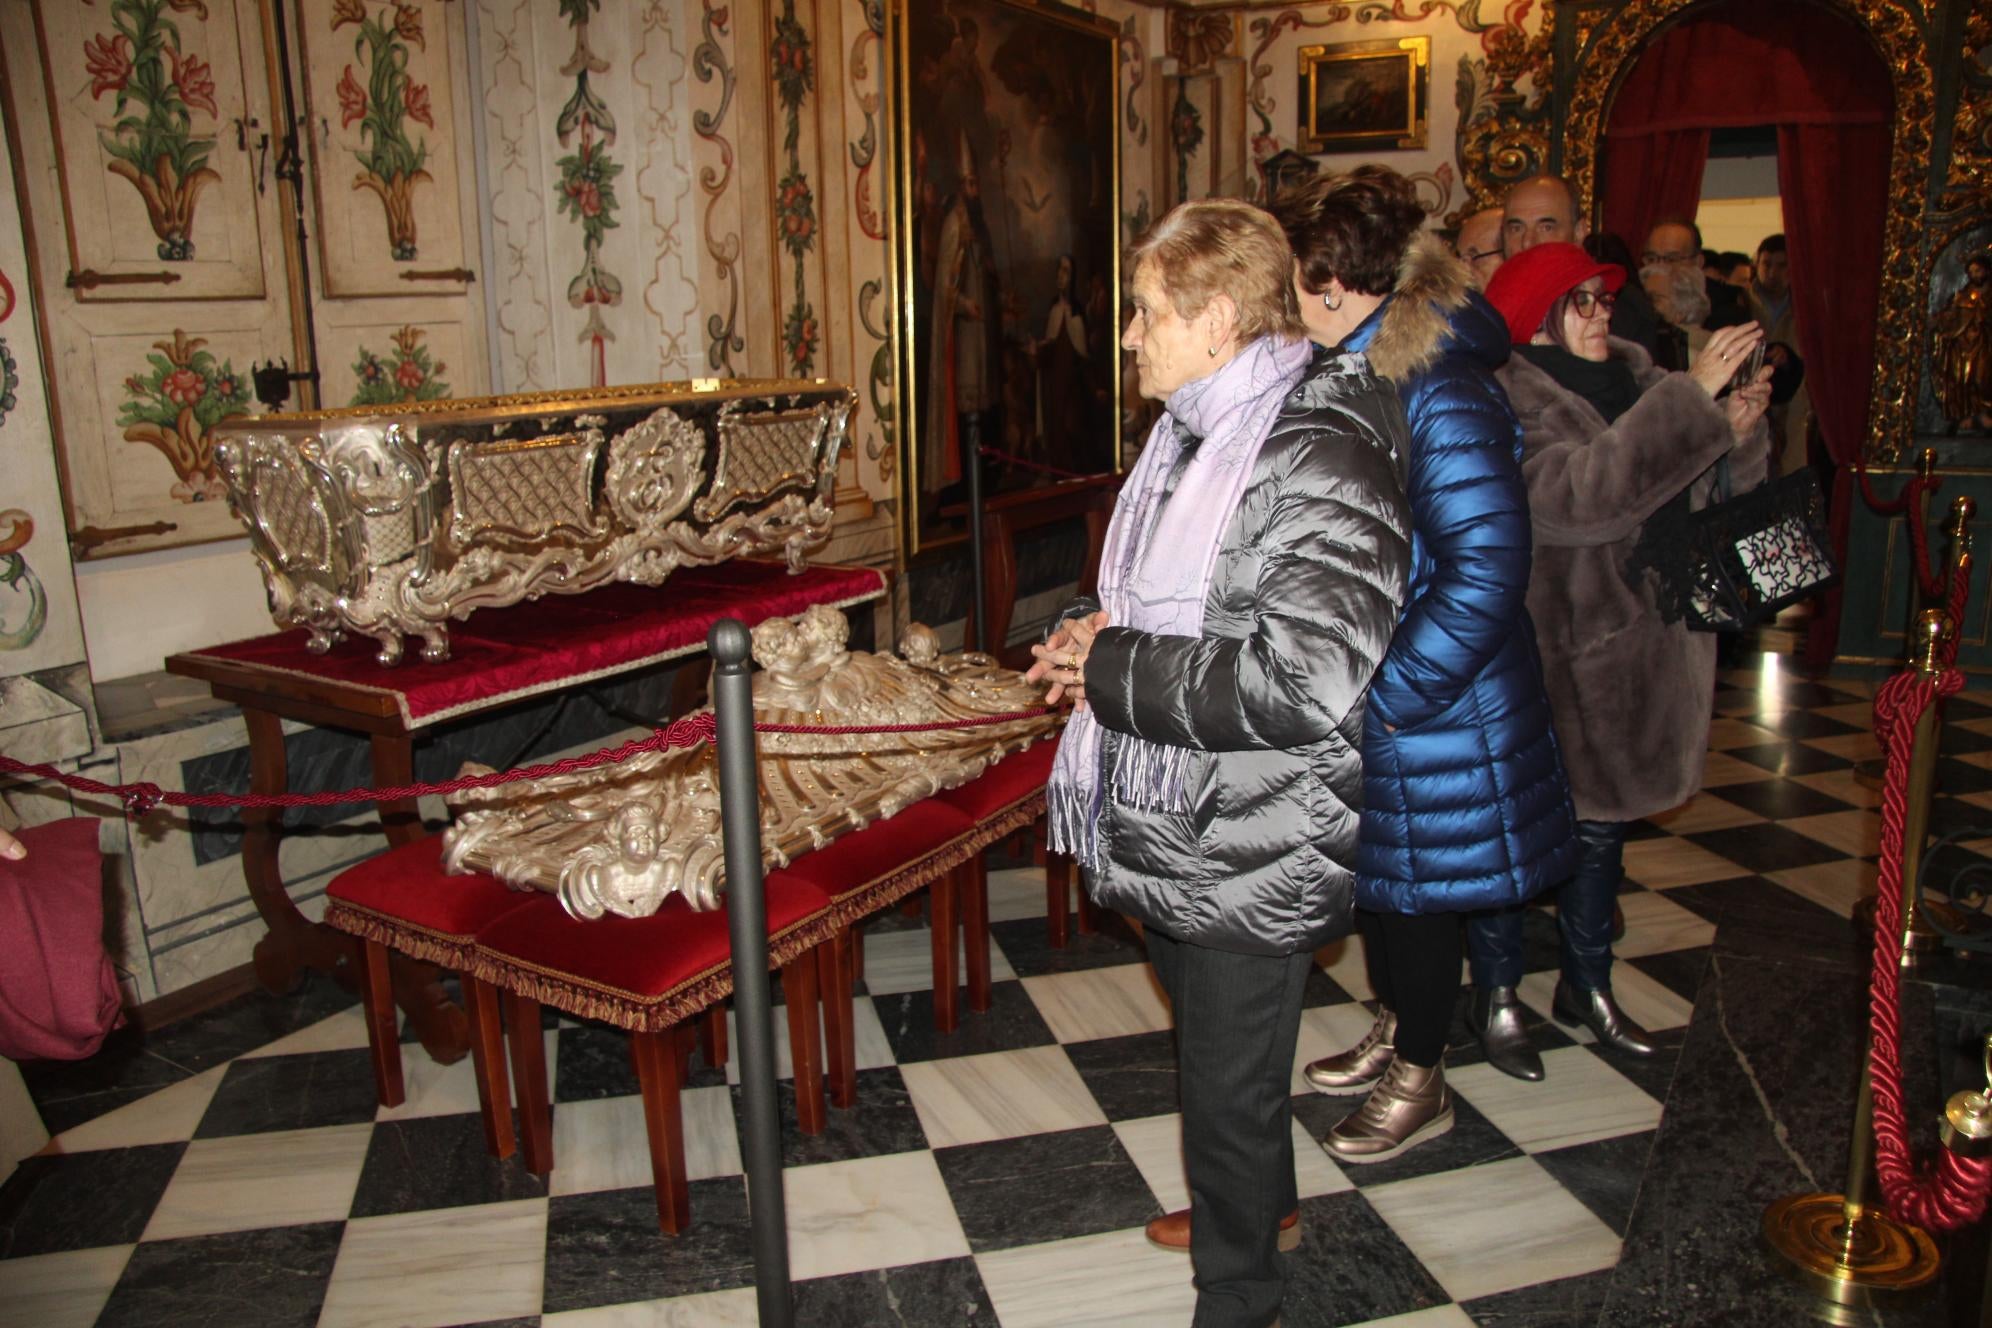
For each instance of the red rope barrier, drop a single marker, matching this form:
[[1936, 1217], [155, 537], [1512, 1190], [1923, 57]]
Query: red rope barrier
[[1960, 591], [1953, 1193], [995, 454], [140, 798], [1909, 501]]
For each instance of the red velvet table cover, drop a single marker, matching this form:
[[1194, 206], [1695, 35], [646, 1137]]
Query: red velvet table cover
[[502, 655]]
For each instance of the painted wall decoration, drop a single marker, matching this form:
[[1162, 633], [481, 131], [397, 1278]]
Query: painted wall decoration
[[407, 372], [585, 188], [380, 94], [158, 177], [1008, 248], [712, 65], [183, 393], [793, 60]]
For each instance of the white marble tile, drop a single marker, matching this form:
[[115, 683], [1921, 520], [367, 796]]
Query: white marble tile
[[897, 961], [1100, 1002], [1704, 811], [1662, 863], [868, 1042], [1724, 734], [1722, 768], [262, 1180], [167, 1116], [1439, 1316], [869, 1212], [1325, 1030], [1655, 924], [1580, 1100], [973, 1099], [429, 1089], [1856, 833], [340, 1032], [1155, 1144], [1487, 1229], [66, 1290], [604, 1145], [738, 1308], [1114, 1280], [1343, 961], [443, 1266], [1649, 1002], [1016, 893], [1836, 885]]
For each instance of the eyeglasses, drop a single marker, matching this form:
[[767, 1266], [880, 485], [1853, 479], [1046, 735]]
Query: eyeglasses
[[1651, 256], [1589, 302]]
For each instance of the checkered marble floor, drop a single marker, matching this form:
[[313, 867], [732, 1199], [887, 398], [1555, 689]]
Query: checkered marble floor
[[235, 1169]]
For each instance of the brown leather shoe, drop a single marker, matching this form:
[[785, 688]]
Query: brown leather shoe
[[1408, 1106], [1171, 1231], [1357, 1069]]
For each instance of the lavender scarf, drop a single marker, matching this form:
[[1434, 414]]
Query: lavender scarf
[[1155, 570]]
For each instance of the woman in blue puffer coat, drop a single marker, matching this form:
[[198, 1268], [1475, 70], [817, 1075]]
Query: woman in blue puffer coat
[[1465, 802]]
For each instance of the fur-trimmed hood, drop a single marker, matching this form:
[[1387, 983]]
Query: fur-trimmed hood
[[1432, 308]]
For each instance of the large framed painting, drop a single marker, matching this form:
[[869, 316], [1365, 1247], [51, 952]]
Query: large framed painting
[[1365, 96], [1007, 251]]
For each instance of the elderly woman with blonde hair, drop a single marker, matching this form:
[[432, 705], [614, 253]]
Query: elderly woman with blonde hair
[[1210, 780]]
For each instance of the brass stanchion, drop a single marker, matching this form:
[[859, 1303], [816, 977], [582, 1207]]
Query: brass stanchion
[[1849, 1252], [1869, 772]]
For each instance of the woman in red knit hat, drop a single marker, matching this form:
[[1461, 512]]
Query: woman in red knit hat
[[1614, 451]]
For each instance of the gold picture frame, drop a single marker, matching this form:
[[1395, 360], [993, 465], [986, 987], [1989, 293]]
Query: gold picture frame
[[1366, 96]]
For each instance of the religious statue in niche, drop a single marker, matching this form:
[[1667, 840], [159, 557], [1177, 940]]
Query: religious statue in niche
[[158, 87], [410, 373], [392, 160], [1961, 357], [174, 405]]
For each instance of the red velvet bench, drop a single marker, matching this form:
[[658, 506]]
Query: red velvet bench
[[652, 976]]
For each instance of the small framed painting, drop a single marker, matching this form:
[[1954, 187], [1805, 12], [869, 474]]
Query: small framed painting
[[1365, 96]]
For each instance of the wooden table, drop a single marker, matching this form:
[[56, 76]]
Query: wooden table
[[1008, 515], [500, 658]]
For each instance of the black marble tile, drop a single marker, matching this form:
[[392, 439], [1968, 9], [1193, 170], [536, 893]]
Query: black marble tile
[[1959, 708], [1463, 1046], [1781, 800], [883, 1121], [605, 1248], [1351, 1267], [1011, 1023], [1322, 990], [274, 1278], [946, 1291], [1757, 917], [1679, 971], [1030, 952], [1044, 1187], [1472, 1140], [1789, 758], [133, 1063], [1806, 724], [437, 1162], [1653, 1074], [1765, 848], [1645, 830], [1569, 1302], [1955, 740], [1130, 1077], [592, 1062], [1967, 820], [1957, 777], [78, 1201], [1605, 1174], [529, 1321], [300, 1092]]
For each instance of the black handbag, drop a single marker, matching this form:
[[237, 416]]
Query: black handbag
[[1741, 559]]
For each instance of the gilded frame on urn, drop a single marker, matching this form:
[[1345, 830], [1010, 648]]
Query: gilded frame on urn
[[1607, 46], [1365, 96], [1026, 91]]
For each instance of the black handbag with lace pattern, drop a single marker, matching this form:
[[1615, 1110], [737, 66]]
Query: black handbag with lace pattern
[[1741, 559]]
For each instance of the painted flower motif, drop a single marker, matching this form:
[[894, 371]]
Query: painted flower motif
[[225, 386], [804, 349], [1264, 146], [371, 369], [415, 99], [347, 11], [408, 24], [108, 62], [352, 99], [196, 81], [409, 375], [588, 198], [183, 387]]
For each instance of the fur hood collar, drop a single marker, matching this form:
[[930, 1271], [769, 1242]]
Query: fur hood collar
[[1433, 307]]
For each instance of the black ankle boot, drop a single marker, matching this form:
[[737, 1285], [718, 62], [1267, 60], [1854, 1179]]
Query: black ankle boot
[[1597, 1011], [1496, 1015]]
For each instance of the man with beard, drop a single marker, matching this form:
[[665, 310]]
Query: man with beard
[[964, 365]]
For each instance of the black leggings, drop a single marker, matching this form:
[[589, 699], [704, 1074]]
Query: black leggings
[[1413, 962]]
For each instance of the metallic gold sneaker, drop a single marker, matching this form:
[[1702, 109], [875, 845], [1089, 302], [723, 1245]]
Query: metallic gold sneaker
[[1408, 1106], [1357, 1069]]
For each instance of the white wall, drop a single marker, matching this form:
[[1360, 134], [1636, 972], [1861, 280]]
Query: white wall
[[141, 608], [1739, 204]]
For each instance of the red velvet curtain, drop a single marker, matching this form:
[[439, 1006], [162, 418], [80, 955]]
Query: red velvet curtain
[[1653, 174]]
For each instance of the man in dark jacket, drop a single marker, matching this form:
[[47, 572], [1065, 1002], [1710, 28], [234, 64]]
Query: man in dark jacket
[[1677, 242]]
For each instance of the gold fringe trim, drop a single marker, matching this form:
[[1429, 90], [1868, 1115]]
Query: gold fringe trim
[[445, 949]]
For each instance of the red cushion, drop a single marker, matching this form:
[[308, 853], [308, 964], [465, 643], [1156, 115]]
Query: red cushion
[[408, 886], [882, 849], [1002, 786], [649, 957]]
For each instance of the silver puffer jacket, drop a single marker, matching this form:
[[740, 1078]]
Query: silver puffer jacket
[[1305, 594]]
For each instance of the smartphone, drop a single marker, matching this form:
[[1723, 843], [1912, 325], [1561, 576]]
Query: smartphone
[[1746, 374]]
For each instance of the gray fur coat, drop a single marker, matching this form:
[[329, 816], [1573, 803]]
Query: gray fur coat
[[1630, 694]]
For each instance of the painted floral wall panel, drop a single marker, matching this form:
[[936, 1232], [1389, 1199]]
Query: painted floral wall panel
[[39, 627], [378, 82], [394, 362], [595, 196], [158, 167]]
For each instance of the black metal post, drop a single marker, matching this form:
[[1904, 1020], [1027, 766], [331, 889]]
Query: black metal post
[[975, 554], [747, 918]]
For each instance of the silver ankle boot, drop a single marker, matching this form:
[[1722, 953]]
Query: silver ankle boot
[[1597, 1011], [1496, 1015]]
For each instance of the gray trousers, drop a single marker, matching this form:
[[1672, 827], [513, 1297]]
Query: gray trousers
[[1237, 1021]]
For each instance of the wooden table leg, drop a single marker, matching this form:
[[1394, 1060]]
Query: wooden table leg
[[974, 882], [528, 1044], [833, 988], [383, 1038], [291, 942], [805, 1049], [418, 987], [656, 1060], [942, 897], [487, 1046]]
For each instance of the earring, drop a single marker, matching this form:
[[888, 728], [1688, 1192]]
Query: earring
[[1211, 351], [1331, 302]]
